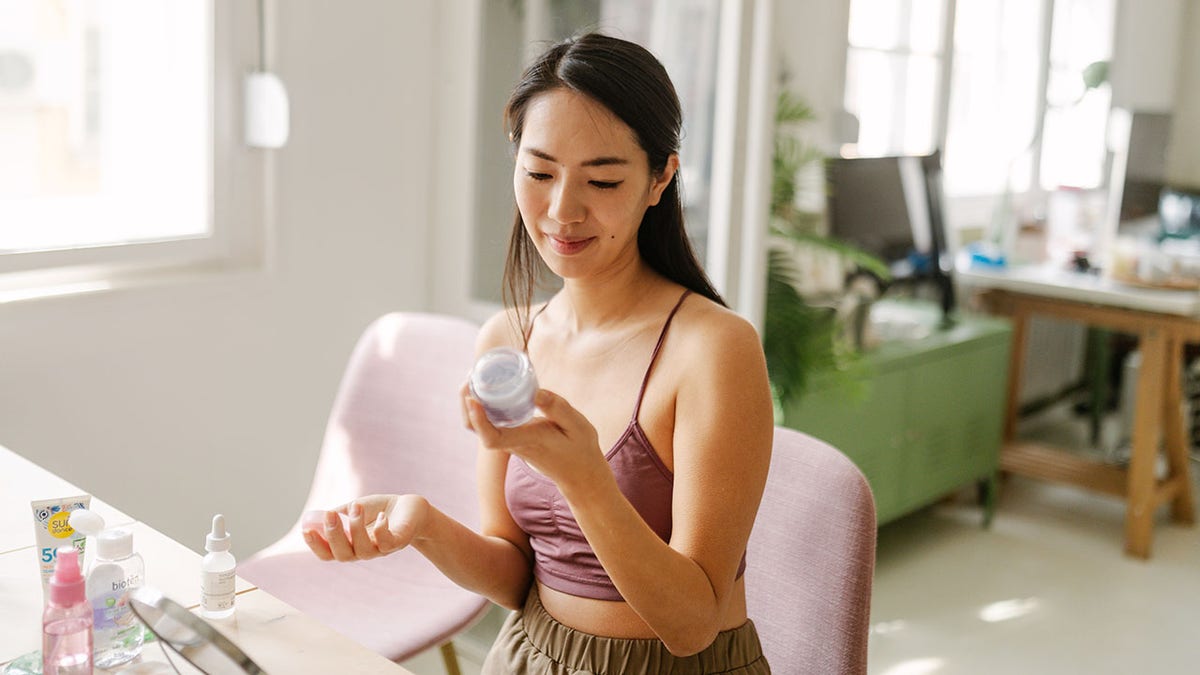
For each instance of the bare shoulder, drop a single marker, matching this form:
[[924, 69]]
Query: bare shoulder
[[706, 329], [717, 367]]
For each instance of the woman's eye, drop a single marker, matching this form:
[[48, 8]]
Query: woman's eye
[[537, 176], [606, 185]]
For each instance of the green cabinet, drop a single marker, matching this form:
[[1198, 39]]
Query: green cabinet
[[927, 417]]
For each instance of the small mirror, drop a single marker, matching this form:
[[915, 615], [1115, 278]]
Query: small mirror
[[190, 636]]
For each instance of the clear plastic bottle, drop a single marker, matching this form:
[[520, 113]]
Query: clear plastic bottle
[[504, 383], [117, 571], [218, 573], [67, 620]]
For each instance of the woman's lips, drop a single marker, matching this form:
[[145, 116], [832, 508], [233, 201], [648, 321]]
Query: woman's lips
[[569, 246]]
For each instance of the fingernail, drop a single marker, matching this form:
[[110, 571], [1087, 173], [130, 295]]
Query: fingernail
[[356, 510], [541, 398], [331, 519], [379, 520]]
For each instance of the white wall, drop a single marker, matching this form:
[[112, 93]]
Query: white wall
[[1183, 156], [178, 401], [1146, 43], [811, 40], [1156, 68]]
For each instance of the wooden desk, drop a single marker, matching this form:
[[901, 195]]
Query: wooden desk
[[279, 638], [1163, 322]]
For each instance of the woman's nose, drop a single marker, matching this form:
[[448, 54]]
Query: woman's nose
[[566, 205]]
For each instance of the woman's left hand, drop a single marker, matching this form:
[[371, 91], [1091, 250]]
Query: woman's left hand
[[560, 443]]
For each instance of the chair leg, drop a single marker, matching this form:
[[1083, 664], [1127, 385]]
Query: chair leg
[[450, 658]]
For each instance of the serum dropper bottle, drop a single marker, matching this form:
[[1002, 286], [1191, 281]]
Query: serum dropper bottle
[[218, 572]]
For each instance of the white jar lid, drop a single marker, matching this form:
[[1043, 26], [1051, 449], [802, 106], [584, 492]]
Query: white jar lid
[[503, 377]]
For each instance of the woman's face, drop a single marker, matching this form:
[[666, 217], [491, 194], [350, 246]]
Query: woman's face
[[582, 184]]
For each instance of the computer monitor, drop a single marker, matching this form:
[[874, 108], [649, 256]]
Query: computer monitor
[[1139, 141], [891, 207]]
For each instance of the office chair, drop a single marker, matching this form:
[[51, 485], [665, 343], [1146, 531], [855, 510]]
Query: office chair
[[811, 558], [396, 427]]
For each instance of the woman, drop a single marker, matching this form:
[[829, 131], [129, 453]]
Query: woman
[[616, 521]]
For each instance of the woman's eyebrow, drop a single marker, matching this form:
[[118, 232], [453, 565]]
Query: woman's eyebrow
[[598, 161]]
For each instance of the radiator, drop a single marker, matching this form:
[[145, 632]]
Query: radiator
[[1054, 358]]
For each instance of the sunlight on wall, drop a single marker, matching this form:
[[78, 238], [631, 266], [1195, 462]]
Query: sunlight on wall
[[18, 294]]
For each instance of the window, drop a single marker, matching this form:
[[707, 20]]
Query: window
[[1073, 152], [109, 123], [892, 73], [1004, 99]]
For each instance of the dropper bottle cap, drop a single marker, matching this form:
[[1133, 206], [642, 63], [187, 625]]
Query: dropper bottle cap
[[218, 539], [67, 586]]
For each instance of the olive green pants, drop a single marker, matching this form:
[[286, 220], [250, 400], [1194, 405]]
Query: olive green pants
[[531, 641]]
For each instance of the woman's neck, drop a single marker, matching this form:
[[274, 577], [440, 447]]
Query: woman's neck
[[600, 303]]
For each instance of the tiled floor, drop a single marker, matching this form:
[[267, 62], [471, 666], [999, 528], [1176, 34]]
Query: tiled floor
[[1046, 589]]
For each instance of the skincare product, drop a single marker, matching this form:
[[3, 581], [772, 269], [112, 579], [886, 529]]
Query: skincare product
[[52, 529], [218, 573], [67, 620], [503, 381], [116, 571], [89, 524]]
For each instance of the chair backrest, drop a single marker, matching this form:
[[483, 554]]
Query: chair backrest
[[396, 424], [811, 558]]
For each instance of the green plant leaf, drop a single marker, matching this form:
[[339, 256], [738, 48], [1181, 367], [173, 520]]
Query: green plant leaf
[[799, 339], [791, 109], [840, 248]]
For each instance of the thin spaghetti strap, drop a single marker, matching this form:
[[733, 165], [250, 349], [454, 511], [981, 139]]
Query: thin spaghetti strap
[[657, 348]]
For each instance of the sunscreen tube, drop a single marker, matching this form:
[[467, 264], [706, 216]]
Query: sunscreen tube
[[52, 530]]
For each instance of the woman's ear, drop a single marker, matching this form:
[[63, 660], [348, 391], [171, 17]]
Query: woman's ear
[[663, 179]]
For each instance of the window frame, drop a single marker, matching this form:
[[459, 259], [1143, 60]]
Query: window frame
[[240, 179]]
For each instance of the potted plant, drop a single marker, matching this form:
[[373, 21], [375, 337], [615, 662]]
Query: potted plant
[[801, 337]]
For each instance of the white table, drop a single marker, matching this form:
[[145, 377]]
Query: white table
[[1163, 320], [1051, 282], [278, 637]]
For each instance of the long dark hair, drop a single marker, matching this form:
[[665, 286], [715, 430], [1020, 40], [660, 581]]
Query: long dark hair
[[634, 86]]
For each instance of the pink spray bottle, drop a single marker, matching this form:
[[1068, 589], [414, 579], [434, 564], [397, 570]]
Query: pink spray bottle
[[67, 621]]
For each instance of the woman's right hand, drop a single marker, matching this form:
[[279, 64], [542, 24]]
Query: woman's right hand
[[378, 525]]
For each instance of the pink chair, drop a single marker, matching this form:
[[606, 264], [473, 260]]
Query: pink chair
[[395, 427], [811, 559]]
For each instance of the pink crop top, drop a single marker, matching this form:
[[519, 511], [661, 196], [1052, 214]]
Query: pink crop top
[[563, 558]]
